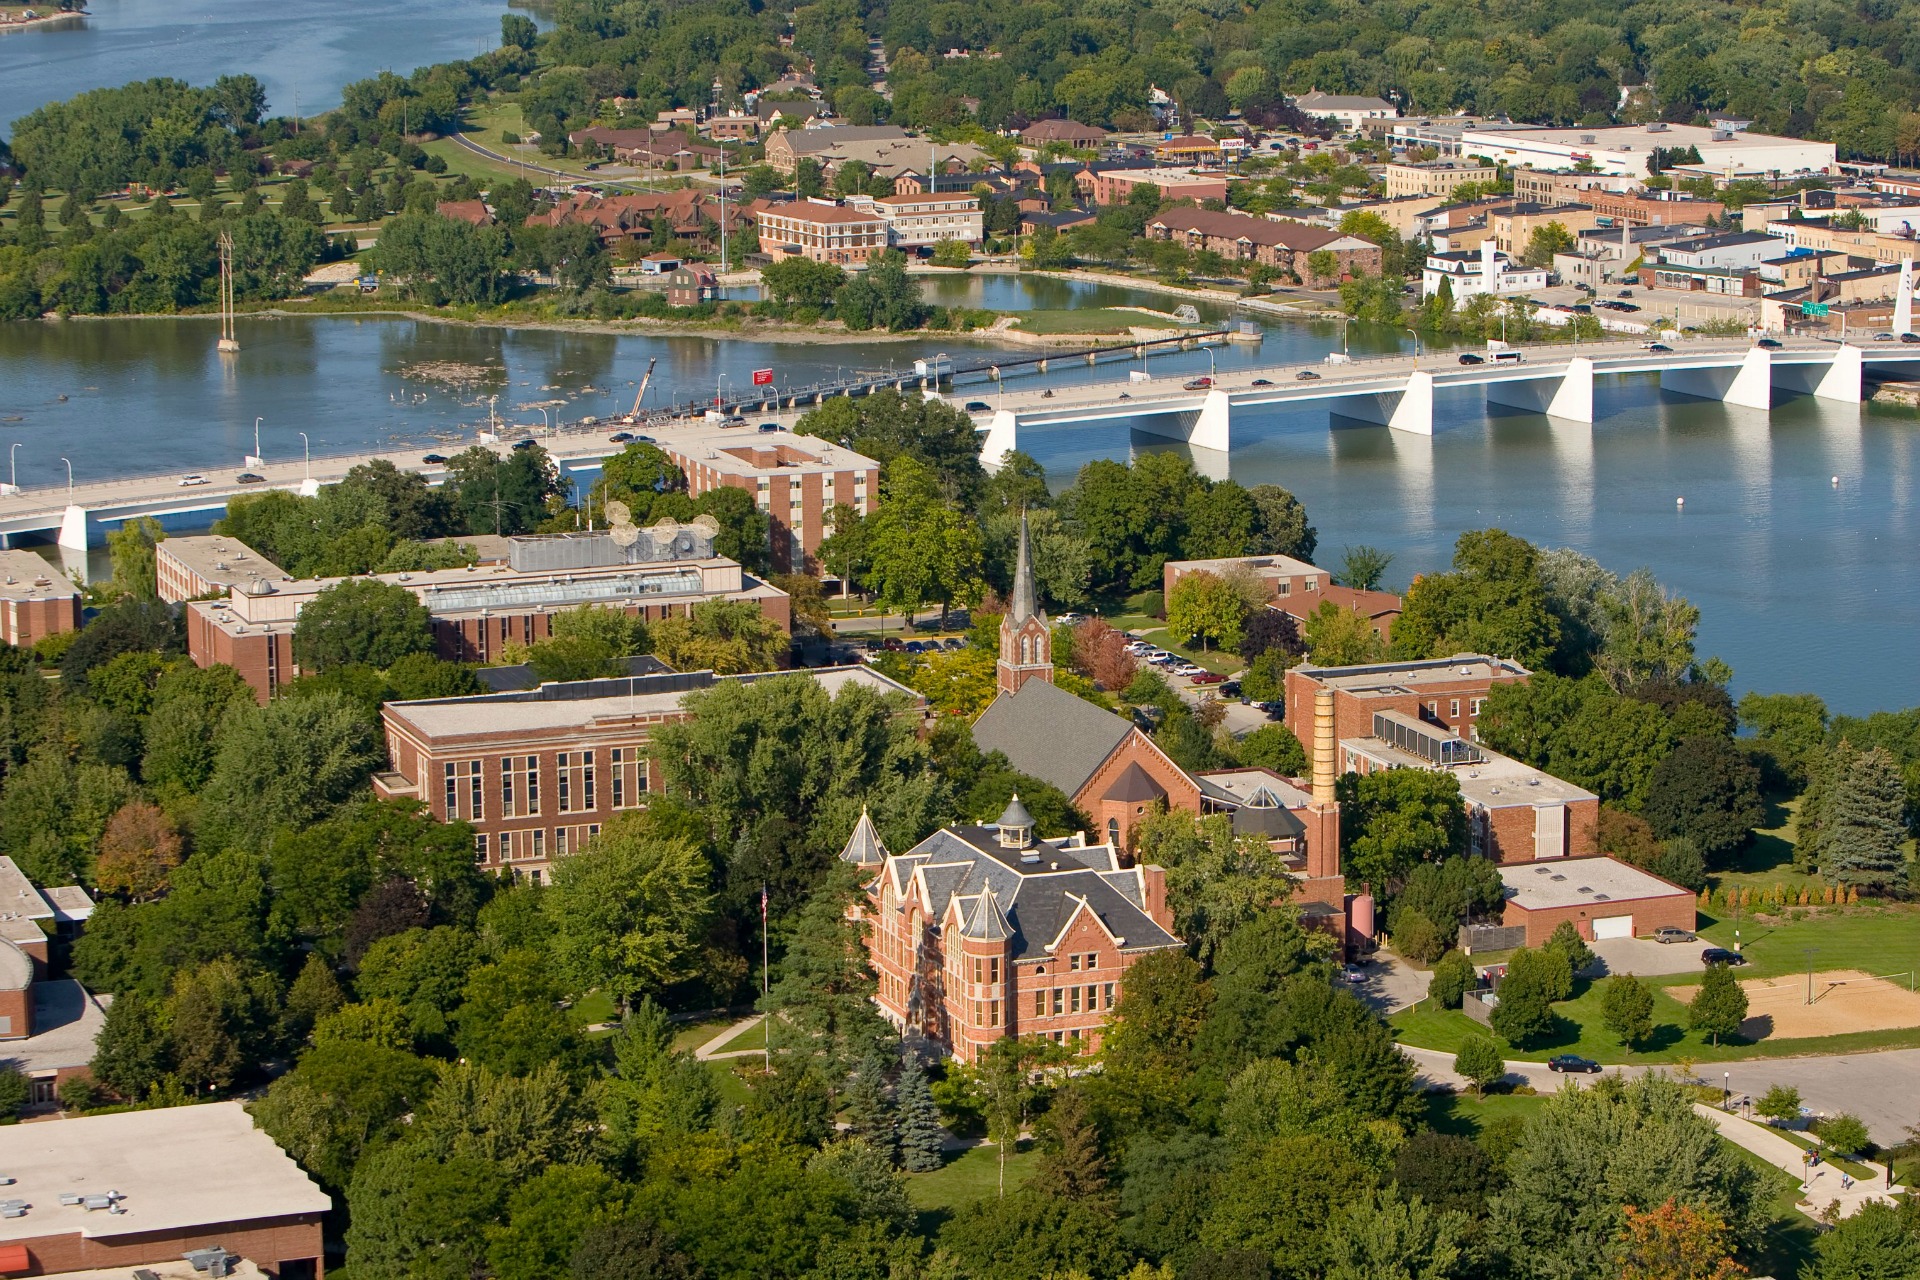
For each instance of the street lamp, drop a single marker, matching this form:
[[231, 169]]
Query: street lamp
[[13, 467], [69, 481], [545, 419], [307, 449], [1210, 366], [256, 438], [1726, 1089]]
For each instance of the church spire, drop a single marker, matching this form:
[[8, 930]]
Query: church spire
[[1026, 600], [1026, 641]]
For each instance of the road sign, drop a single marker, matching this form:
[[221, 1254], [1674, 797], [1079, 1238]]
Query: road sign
[[763, 377], [1814, 309]]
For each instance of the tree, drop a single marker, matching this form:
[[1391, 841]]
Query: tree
[[630, 1247], [822, 1001], [1565, 941], [1204, 607], [414, 1213], [218, 1017], [1100, 654], [285, 765], [1216, 881], [1845, 1134], [921, 548], [1780, 1103], [340, 1101], [547, 1218], [1071, 1164], [1535, 979], [636, 476], [1384, 1236], [922, 1139], [1676, 1241], [1480, 1061], [137, 851], [362, 620], [628, 912], [1493, 602], [1269, 629], [517, 31], [1274, 747], [1720, 1005], [1394, 819], [1280, 524], [722, 636], [498, 495], [1545, 242], [132, 549], [1627, 1009], [439, 261], [1877, 1242], [1338, 636], [869, 1112], [803, 282], [132, 1052], [1708, 791], [1452, 978], [15, 1091], [1364, 566], [1860, 811]]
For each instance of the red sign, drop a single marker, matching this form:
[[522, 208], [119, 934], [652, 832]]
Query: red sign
[[763, 377]]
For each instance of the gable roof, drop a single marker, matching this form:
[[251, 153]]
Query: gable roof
[[1134, 786], [1050, 734], [1297, 236]]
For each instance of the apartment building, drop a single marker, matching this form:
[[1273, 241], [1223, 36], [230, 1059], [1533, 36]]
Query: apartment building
[[920, 220], [36, 600], [1434, 178], [986, 933], [1444, 691], [1285, 245], [536, 773], [1105, 184], [818, 229], [1512, 226], [796, 480], [478, 611]]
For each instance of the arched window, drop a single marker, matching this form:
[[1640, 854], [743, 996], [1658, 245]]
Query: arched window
[[1113, 832], [1026, 649]]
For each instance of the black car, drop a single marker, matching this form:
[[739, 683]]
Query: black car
[[979, 406], [620, 437], [1467, 357], [1573, 1062], [247, 477], [1658, 346], [1720, 955], [1275, 710], [1261, 382], [1910, 337], [523, 444], [434, 459], [1771, 344], [1230, 689]]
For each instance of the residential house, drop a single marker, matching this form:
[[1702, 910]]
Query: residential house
[[473, 212], [1466, 272], [649, 148], [689, 285], [1069, 133], [690, 219]]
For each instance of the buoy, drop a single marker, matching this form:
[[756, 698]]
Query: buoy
[[1836, 482], [1679, 502]]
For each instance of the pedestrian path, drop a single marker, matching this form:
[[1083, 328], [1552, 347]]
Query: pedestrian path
[[1821, 1192], [710, 1051]]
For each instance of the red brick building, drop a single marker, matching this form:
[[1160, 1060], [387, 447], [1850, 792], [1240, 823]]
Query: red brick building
[[818, 229], [1600, 897], [152, 1185], [1113, 773], [1446, 691], [536, 773], [1294, 587], [984, 933], [36, 601], [692, 218], [1283, 245]]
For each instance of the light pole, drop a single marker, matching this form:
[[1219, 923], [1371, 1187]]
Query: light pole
[[1726, 1089], [1211, 372], [256, 437], [13, 467], [69, 481], [307, 450], [545, 419]]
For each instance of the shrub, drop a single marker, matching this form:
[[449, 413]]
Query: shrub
[[1453, 977], [1845, 1134], [1417, 938]]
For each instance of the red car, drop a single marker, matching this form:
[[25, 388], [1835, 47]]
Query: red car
[[1198, 384], [1208, 677]]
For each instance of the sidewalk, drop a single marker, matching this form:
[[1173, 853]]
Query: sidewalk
[[1823, 1190], [710, 1051]]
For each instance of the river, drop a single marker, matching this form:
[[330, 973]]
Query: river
[[1795, 541], [303, 51]]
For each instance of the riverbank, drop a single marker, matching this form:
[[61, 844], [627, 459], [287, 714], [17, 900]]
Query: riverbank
[[44, 20]]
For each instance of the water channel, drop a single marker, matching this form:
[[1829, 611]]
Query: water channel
[[1796, 539]]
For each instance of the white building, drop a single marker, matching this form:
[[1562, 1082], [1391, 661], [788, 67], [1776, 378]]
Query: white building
[[1736, 249], [1627, 149], [1487, 271], [927, 218], [1352, 111]]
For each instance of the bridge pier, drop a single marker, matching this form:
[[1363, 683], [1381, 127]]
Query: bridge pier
[[1003, 437], [1568, 396], [78, 529], [1408, 409], [1748, 384], [1839, 380], [1212, 428]]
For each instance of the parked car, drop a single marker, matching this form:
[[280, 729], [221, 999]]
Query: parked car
[[1276, 710], [1673, 933], [1626, 293], [1196, 384], [893, 645], [979, 406], [1720, 955], [620, 437], [1229, 688], [1467, 357], [954, 644], [916, 646], [1771, 344], [248, 477], [1209, 677], [188, 482], [523, 444], [1068, 620], [1348, 973], [769, 426], [1306, 375], [1188, 671], [433, 459], [1573, 1062]]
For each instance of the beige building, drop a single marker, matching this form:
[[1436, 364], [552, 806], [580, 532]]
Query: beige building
[[886, 149], [914, 221], [1513, 225], [818, 229], [1437, 178]]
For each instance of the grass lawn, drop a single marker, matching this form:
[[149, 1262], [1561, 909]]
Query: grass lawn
[[593, 1008], [754, 1037], [1464, 1115], [1091, 320], [733, 1089], [1877, 939], [692, 1035], [972, 1175]]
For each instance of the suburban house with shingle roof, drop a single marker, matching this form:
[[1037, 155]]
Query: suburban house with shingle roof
[[1103, 763], [985, 933]]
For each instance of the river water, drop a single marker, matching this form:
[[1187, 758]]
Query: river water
[[303, 51], [1796, 539]]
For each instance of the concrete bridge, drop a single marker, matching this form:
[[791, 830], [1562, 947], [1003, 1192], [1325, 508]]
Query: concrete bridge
[[1398, 391]]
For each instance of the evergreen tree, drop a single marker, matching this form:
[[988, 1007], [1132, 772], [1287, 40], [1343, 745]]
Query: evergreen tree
[[314, 994], [869, 1112], [1072, 1166], [1720, 1006], [920, 1133], [823, 998], [1861, 828]]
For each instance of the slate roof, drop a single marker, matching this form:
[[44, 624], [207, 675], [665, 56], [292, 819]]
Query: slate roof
[[1134, 786], [864, 848], [1050, 734], [1030, 895]]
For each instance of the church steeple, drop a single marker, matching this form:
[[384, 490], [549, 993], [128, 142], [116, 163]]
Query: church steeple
[[1026, 640]]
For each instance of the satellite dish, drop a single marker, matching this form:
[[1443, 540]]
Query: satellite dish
[[707, 525], [624, 535], [619, 513], [665, 528]]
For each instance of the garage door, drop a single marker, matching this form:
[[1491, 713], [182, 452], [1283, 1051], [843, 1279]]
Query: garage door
[[1613, 927]]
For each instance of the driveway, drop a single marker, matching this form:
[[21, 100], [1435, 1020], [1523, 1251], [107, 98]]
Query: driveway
[[1647, 958], [1391, 984]]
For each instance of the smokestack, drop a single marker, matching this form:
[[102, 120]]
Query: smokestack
[[1323, 747]]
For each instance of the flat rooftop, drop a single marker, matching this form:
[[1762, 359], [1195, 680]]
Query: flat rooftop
[[178, 1169], [26, 576], [1385, 679], [1265, 566], [746, 451], [562, 706], [1639, 137], [67, 1019], [1240, 786], [180, 1270], [1574, 882], [18, 896], [224, 561]]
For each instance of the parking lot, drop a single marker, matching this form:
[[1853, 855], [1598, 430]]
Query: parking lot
[[1196, 686]]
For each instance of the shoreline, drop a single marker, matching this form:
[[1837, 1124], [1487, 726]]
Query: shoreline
[[51, 19]]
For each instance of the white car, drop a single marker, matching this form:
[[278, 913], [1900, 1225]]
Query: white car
[[188, 481], [1186, 669]]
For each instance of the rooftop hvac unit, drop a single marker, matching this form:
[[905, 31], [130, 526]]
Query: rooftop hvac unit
[[1658, 126], [1586, 139]]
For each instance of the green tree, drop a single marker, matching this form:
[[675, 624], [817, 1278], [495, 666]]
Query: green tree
[[803, 282], [1216, 881], [921, 1136], [1565, 941], [132, 549], [629, 1247], [1338, 636], [822, 1001], [1858, 839], [442, 261], [1845, 1134], [868, 1110], [722, 636], [1273, 747], [517, 31], [1452, 978], [629, 911], [1205, 607], [1627, 1009], [1877, 1242], [547, 1218], [656, 1094], [1535, 979], [362, 620], [1493, 602], [1382, 1236], [1780, 1103], [1480, 1061], [1720, 1005], [285, 765], [340, 1101], [501, 495], [415, 1213], [1708, 791], [220, 1018], [1363, 567], [1545, 242], [1394, 819], [922, 549]]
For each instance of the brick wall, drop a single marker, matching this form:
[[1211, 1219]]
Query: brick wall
[[1648, 914], [266, 1242]]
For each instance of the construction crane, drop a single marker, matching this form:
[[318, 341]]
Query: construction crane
[[641, 393]]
